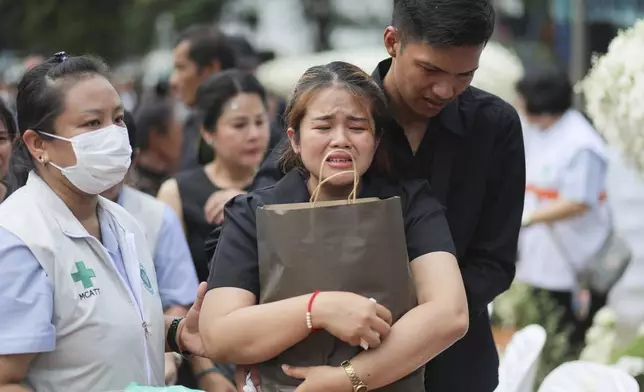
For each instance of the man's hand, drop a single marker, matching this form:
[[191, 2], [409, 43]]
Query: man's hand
[[189, 332], [320, 378], [214, 208], [171, 369]]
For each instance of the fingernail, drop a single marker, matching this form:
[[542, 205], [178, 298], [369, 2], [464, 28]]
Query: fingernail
[[286, 367]]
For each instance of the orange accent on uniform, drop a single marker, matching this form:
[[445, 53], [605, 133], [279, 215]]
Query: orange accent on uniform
[[552, 194]]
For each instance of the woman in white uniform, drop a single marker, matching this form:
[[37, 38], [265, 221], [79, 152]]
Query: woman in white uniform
[[80, 304]]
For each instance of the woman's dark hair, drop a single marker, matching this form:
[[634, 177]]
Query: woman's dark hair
[[546, 91], [7, 119], [340, 74], [153, 116], [213, 94], [40, 99]]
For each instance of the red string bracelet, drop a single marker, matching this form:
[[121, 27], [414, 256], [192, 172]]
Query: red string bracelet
[[309, 321]]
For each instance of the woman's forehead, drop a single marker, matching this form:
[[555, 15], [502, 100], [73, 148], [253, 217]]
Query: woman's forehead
[[92, 94], [336, 100]]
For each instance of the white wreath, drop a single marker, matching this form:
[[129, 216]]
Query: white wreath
[[614, 94]]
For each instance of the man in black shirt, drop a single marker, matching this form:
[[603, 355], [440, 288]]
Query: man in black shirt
[[201, 52], [469, 145]]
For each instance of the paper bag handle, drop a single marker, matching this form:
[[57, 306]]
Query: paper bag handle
[[356, 180]]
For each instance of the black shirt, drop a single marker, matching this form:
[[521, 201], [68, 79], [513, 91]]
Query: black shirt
[[235, 263], [195, 188], [190, 147], [473, 157], [146, 180]]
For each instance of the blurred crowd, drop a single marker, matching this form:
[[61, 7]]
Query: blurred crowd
[[200, 132]]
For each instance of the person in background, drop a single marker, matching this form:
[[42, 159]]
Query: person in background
[[159, 139], [469, 145], [234, 123], [176, 276], [81, 309], [566, 217], [336, 118], [6, 96], [8, 132], [10, 79], [248, 59], [201, 52]]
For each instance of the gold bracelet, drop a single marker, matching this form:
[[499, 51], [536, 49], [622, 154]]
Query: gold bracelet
[[356, 382]]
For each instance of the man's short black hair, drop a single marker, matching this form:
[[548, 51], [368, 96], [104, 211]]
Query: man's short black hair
[[546, 91], [208, 44], [444, 23]]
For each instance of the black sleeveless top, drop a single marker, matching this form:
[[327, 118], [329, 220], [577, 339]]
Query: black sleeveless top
[[194, 189]]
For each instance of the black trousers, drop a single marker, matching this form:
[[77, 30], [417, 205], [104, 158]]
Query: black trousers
[[569, 319]]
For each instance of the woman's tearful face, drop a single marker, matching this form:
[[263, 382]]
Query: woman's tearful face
[[337, 128]]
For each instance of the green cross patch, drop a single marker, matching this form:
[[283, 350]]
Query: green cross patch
[[146, 280], [83, 275]]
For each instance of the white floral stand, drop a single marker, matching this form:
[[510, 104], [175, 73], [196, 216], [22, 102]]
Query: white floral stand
[[626, 197], [518, 367], [581, 376]]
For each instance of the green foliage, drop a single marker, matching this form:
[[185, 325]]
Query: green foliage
[[636, 349], [113, 29], [76, 26]]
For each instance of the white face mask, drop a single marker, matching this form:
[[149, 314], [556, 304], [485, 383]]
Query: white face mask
[[103, 158]]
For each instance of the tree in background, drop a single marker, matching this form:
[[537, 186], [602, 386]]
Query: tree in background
[[112, 29]]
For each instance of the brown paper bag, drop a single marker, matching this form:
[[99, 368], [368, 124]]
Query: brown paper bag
[[357, 246]]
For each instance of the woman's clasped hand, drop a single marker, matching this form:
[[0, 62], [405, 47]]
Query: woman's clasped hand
[[351, 318]]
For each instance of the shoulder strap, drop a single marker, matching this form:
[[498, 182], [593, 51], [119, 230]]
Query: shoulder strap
[[562, 248]]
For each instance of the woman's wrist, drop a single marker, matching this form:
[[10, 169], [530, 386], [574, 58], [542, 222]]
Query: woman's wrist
[[173, 336], [317, 306], [343, 380], [179, 342]]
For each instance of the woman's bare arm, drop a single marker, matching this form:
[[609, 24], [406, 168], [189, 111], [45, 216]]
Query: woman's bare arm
[[236, 330], [169, 194], [440, 319], [13, 370]]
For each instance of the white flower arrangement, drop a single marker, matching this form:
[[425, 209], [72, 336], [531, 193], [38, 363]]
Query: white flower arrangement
[[605, 318], [614, 94], [602, 347], [601, 338], [631, 365]]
